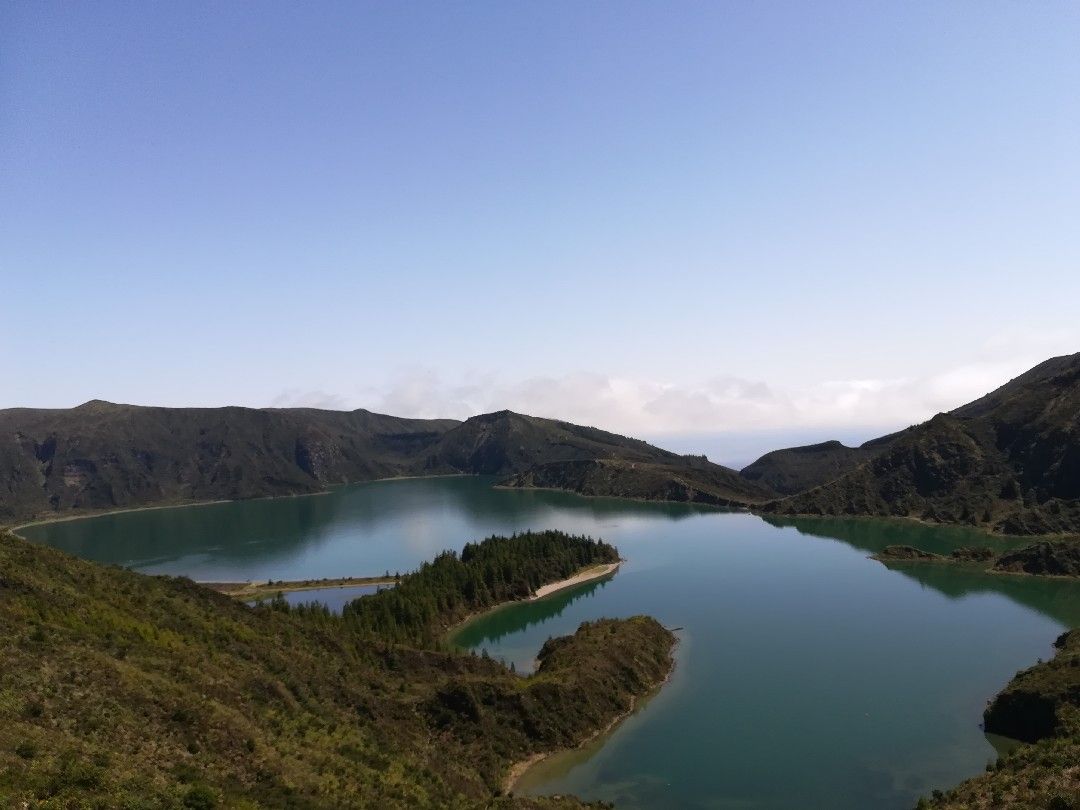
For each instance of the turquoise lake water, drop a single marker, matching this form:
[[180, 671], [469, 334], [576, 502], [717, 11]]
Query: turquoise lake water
[[808, 675]]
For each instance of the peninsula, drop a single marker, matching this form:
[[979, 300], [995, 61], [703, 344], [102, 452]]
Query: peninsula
[[176, 695]]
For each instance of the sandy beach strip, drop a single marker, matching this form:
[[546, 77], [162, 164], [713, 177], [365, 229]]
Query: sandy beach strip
[[596, 572]]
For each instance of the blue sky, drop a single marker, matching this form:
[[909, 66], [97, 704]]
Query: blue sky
[[664, 218]]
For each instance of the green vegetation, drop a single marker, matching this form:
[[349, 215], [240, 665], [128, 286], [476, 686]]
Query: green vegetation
[[450, 588], [1007, 462], [1042, 706], [261, 590], [964, 554], [797, 469], [682, 479], [102, 456], [1059, 558], [123, 690]]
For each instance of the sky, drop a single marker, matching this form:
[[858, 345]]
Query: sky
[[714, 225]]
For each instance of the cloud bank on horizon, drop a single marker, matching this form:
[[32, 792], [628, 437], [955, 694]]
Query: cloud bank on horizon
[[655, 218], [644, 406]]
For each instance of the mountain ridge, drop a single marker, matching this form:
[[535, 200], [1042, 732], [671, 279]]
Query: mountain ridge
[[102, 456], [1008, 462]]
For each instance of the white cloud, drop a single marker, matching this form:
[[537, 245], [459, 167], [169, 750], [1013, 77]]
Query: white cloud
[[295, 398], [642, 406]]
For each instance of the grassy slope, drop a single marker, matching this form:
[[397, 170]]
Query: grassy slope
[[125, 690]]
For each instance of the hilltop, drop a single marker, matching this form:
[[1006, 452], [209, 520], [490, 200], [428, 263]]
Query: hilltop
[[106, 456], [1008, 462], [797, 469]]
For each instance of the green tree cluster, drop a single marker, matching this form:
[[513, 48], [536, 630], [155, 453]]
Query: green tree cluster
[[444, 591]]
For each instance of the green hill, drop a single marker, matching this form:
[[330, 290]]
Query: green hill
[[106, 456], [691, 480], [124, 690], [550, 454], [102, 456], [1008, 462], [797, 469]]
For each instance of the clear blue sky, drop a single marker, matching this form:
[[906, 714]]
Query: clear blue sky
[[640, 214]]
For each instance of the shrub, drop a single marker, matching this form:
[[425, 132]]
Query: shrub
[[200, 797]]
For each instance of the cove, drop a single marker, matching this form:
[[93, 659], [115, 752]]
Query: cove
[[808, 675]]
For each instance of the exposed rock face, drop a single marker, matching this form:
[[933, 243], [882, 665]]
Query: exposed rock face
[[1009, 462]]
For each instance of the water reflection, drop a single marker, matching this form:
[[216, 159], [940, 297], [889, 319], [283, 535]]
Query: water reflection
[[334, 599], [866, 684], [357, 530], [495, 625], [1055, 598]]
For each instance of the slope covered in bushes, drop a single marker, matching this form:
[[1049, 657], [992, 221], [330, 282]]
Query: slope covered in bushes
[[1041, 706], [124, 690]]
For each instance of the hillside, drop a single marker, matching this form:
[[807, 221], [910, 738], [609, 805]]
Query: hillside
[[1041, 705], [546, 453], [506, 443], [1008, 462], [796, 469], [689, 481], [1060, 558], [104, 456], [123, 690]]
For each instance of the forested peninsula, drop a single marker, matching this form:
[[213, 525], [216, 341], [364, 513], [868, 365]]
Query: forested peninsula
[[126, 690]]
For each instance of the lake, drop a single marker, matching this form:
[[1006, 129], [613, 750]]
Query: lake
[[808, 676]]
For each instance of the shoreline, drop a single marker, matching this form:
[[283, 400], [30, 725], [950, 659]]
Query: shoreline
[[585, 575], [902, 519], [752, 509], [591, 574], [521, 767], [888, 562], [714, 506], [256, 590], [86, 515]]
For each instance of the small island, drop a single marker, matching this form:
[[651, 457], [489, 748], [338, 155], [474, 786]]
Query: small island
[[1048, 558]]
